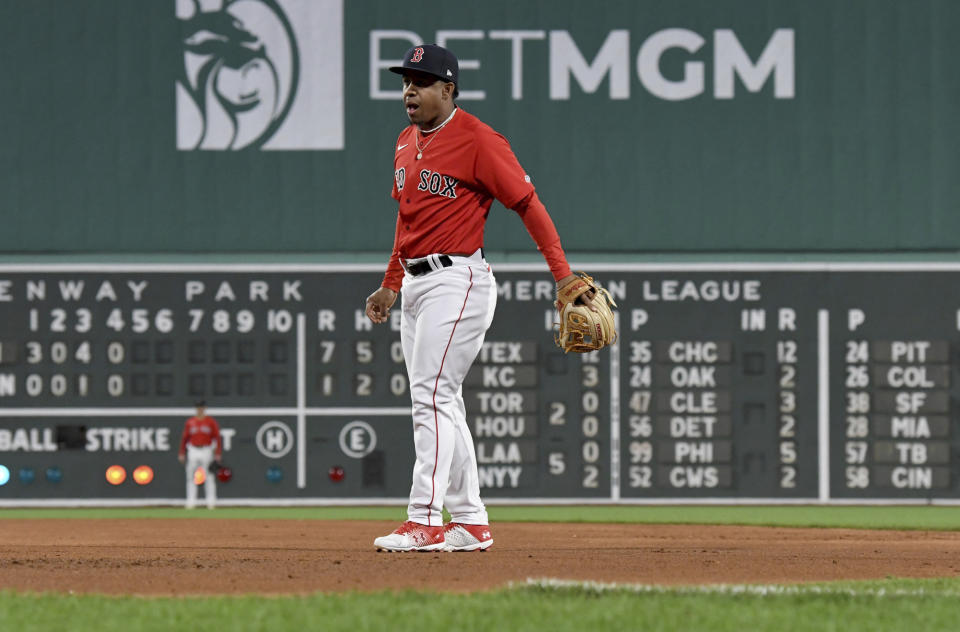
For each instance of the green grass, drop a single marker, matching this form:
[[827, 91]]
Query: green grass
[[849, 606], [867, 517], [892, 604]]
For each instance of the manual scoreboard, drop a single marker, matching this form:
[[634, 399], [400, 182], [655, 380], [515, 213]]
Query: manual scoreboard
[[782, 383]]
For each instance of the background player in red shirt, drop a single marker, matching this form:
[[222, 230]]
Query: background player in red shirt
[[448, 168], [200, 445]]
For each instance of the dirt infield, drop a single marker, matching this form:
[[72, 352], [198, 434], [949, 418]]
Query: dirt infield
[[180, 557]]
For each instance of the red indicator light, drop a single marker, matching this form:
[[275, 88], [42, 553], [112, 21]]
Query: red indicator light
[[116, 474], [336, 473], [143, 475]]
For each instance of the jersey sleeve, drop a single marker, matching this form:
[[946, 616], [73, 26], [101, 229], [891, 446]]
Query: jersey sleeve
[[216, 437], [394, 274], [538, 223], [497, 169], [183, 439]]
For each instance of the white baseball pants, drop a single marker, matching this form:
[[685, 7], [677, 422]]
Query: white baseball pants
[[200, 457], [446, 313]]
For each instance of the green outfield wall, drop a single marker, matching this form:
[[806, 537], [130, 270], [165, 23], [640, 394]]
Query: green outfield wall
[[210, 126]]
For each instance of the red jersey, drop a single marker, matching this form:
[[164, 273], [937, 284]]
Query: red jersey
[[445, 197], [201, 432]]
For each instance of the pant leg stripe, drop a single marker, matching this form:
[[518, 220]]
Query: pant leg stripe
[[436, 419]]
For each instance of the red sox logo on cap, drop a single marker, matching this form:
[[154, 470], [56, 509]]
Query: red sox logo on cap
[[430, 59]]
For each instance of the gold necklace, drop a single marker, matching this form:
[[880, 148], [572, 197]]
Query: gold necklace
[[434, 131]]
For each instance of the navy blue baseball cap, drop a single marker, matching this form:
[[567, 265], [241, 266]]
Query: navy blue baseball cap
[[431, 59]]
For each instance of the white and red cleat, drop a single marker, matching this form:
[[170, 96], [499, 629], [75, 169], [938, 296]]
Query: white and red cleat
[[412, 536], [467, 537]]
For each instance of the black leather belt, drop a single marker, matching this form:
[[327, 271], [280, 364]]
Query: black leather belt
[[419, 268]]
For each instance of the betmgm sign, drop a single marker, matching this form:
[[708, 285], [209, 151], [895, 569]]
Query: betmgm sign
[[269, 74]]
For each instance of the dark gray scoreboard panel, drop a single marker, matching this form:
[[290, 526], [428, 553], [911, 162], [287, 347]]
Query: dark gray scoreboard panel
[[294, 372], [894, 367], [727, 382]]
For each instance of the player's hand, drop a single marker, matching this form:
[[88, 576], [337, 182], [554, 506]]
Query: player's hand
[[379, 304], [584, 299], [182, 459]]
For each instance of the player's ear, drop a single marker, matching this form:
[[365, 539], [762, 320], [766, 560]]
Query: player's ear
[[449, 90]]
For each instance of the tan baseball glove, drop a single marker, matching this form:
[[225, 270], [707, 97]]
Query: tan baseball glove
[[580, 328]]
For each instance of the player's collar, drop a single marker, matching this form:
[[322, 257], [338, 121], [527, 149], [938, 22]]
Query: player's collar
[[449, 118]]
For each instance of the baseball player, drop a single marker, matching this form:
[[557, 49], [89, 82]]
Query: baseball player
[[200, 445], [448, 168]]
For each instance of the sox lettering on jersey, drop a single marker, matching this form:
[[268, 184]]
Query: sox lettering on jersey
[[468, 166], [437, 184]]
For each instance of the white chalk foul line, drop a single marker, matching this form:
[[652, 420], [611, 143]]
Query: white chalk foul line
[[761, 590]]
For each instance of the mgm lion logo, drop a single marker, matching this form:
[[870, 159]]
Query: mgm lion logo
[[240, 73]]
